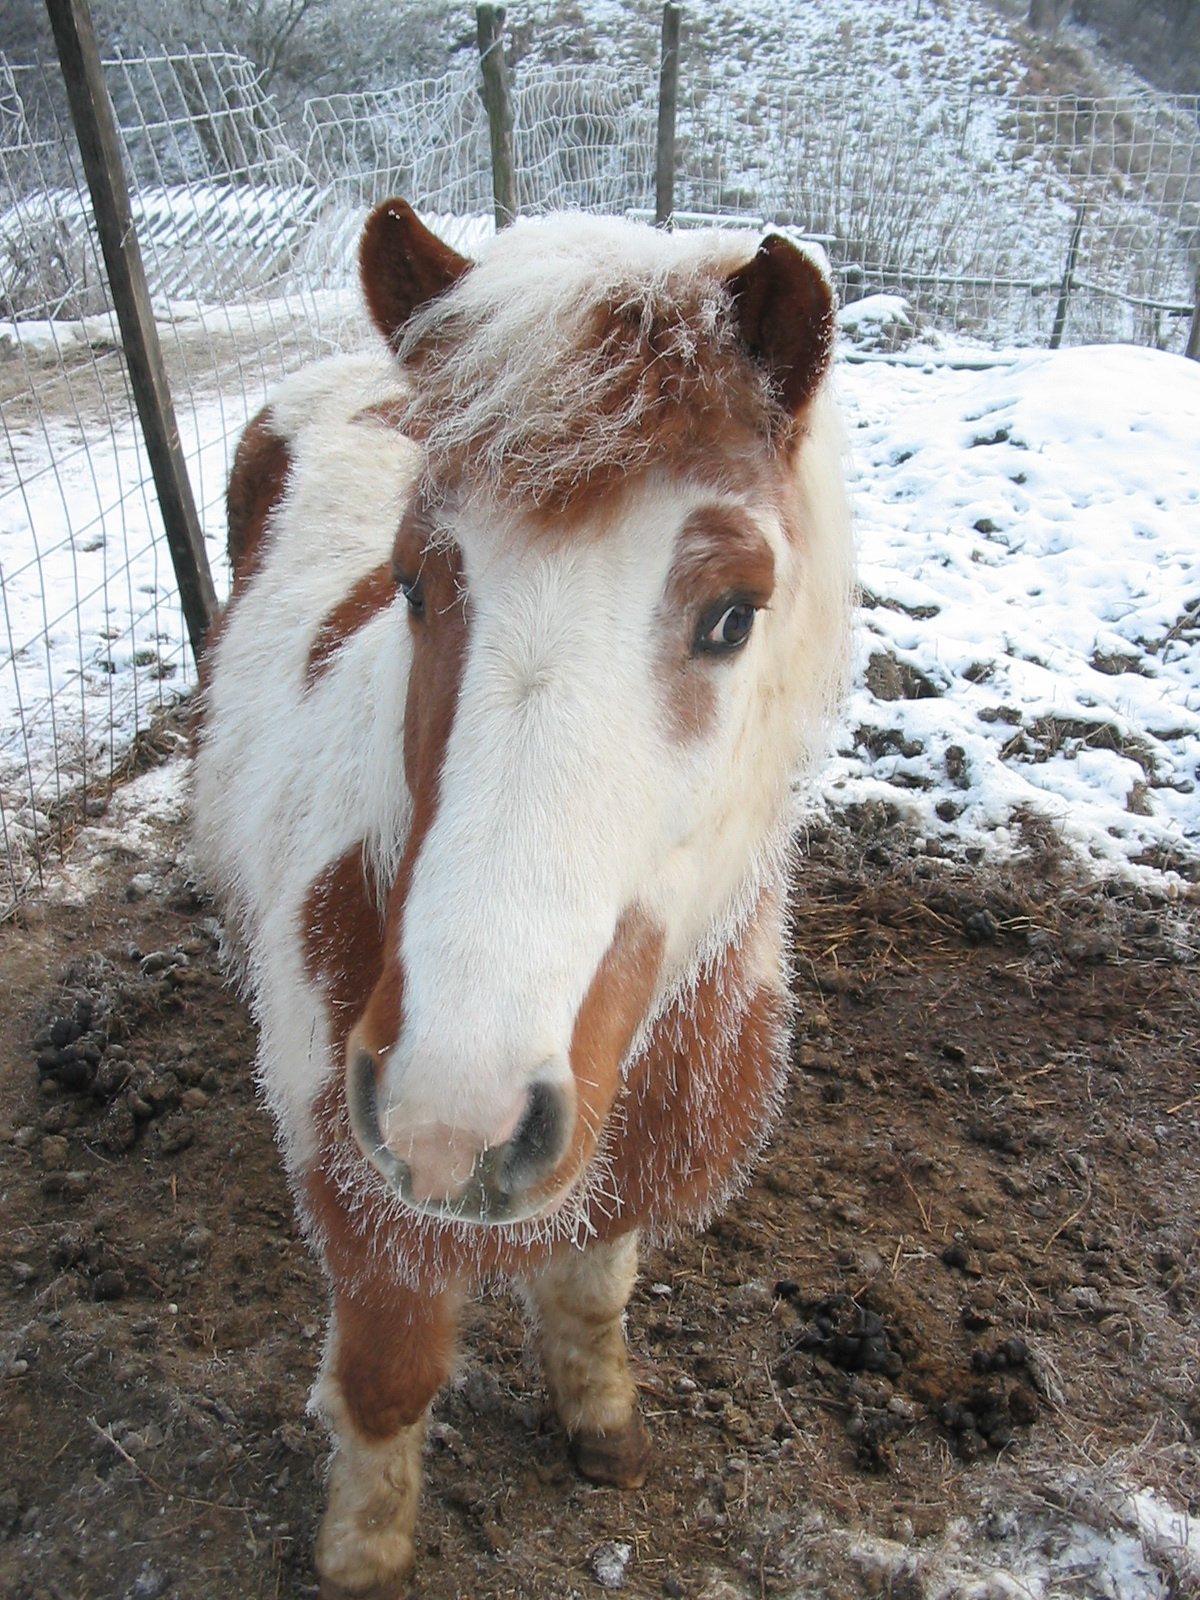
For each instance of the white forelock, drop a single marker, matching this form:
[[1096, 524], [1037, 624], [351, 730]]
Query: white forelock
[[522, 383]]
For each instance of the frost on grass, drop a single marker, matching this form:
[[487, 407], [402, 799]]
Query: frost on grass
[[1044, 1538]]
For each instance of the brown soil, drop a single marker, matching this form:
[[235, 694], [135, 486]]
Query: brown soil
[[989, 1148]]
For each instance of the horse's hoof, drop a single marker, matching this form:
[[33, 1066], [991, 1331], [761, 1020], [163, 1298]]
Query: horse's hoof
[[621, 1459], [357, 1563], [392, 1589]]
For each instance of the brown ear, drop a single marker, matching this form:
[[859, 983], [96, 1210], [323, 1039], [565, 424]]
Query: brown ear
[[783, 308], [402, 265]]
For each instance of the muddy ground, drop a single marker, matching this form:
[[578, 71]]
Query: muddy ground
[[966, 1272]]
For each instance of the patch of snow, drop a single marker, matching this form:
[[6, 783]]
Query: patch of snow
[[609, 1562], [1051, 1539], [875, 311], [1030, 560], [43, 338], [91, 609], [1171, 1536], [132, 829]]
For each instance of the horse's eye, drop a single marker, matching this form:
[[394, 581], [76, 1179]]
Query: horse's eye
[[414, 592], [724, 627]]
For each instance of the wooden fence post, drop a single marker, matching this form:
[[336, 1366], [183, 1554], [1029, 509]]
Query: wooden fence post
[[489, 26], [1193, 344], [99, 145], [1045, 16], [1068, 282], [668, 96]]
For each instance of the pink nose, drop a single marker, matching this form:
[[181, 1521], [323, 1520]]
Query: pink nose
[[439, 1159], [449, 1172]]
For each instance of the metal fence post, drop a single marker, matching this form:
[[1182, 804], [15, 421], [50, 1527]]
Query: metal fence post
[[99, 145], [668, 96], [1068, 282], [489, 24], [1193, 344]]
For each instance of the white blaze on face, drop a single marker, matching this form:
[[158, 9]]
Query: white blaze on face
[[566, 798]]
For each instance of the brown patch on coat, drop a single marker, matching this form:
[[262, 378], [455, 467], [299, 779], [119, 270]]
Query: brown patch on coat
[[394, 1346], [611, 1013], [693, 1113], [257, 482], [439, 648], [673, 397], [719, 554], [391, 413], [417, 535], [783, 307], [402, 266], [343, 938], [373, 593], [693, 377]]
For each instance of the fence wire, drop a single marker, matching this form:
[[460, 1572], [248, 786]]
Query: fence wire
[[967, 206], [92, 640]]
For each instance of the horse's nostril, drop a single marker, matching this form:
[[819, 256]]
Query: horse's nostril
[[540, 1141], [436, 1170], [363, 1104]]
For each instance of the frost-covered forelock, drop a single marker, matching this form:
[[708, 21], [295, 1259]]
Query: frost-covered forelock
[[578, 353]]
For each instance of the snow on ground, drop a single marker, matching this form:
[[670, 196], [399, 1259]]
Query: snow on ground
[[1030, 564], [875, 40], [1045, 1536], [93, 632]]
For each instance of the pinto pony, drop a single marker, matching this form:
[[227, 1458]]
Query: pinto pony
[[536, 620]]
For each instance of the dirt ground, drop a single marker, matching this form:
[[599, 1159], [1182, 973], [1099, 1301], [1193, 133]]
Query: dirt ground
[[967, 1270]]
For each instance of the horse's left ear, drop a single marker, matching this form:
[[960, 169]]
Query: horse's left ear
[[403, 265], [783, 309]]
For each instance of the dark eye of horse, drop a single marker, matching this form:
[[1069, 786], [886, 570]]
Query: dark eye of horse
[[724, 627], [414, 593]]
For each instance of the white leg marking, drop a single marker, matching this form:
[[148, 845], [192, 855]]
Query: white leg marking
[[365, 1543], [580, 1299]]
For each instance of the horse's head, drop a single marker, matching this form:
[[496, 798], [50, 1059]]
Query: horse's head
[[627, 571]]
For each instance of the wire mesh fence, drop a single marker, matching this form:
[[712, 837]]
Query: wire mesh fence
[[92, 641], [582, 139], [965, 205]]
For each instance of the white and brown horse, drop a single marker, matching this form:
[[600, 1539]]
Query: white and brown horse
[[536, 620]]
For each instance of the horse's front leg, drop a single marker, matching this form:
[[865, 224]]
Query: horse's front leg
[[389, 1352], [580, 1298]]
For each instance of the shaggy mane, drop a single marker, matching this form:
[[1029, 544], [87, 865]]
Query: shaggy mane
[[580, 352]]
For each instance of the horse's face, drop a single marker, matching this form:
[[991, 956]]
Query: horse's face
[[606, 707]]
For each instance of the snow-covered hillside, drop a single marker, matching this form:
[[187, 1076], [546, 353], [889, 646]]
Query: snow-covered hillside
[[1027, 644], [1030, 562]]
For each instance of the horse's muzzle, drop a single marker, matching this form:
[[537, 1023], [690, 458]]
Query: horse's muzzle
[[506, 1183]]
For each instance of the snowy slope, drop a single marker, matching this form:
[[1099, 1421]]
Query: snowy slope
[[876, 41], [1030, 561]]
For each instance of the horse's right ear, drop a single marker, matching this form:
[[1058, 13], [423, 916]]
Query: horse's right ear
[[783, 310], [403, 265]]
